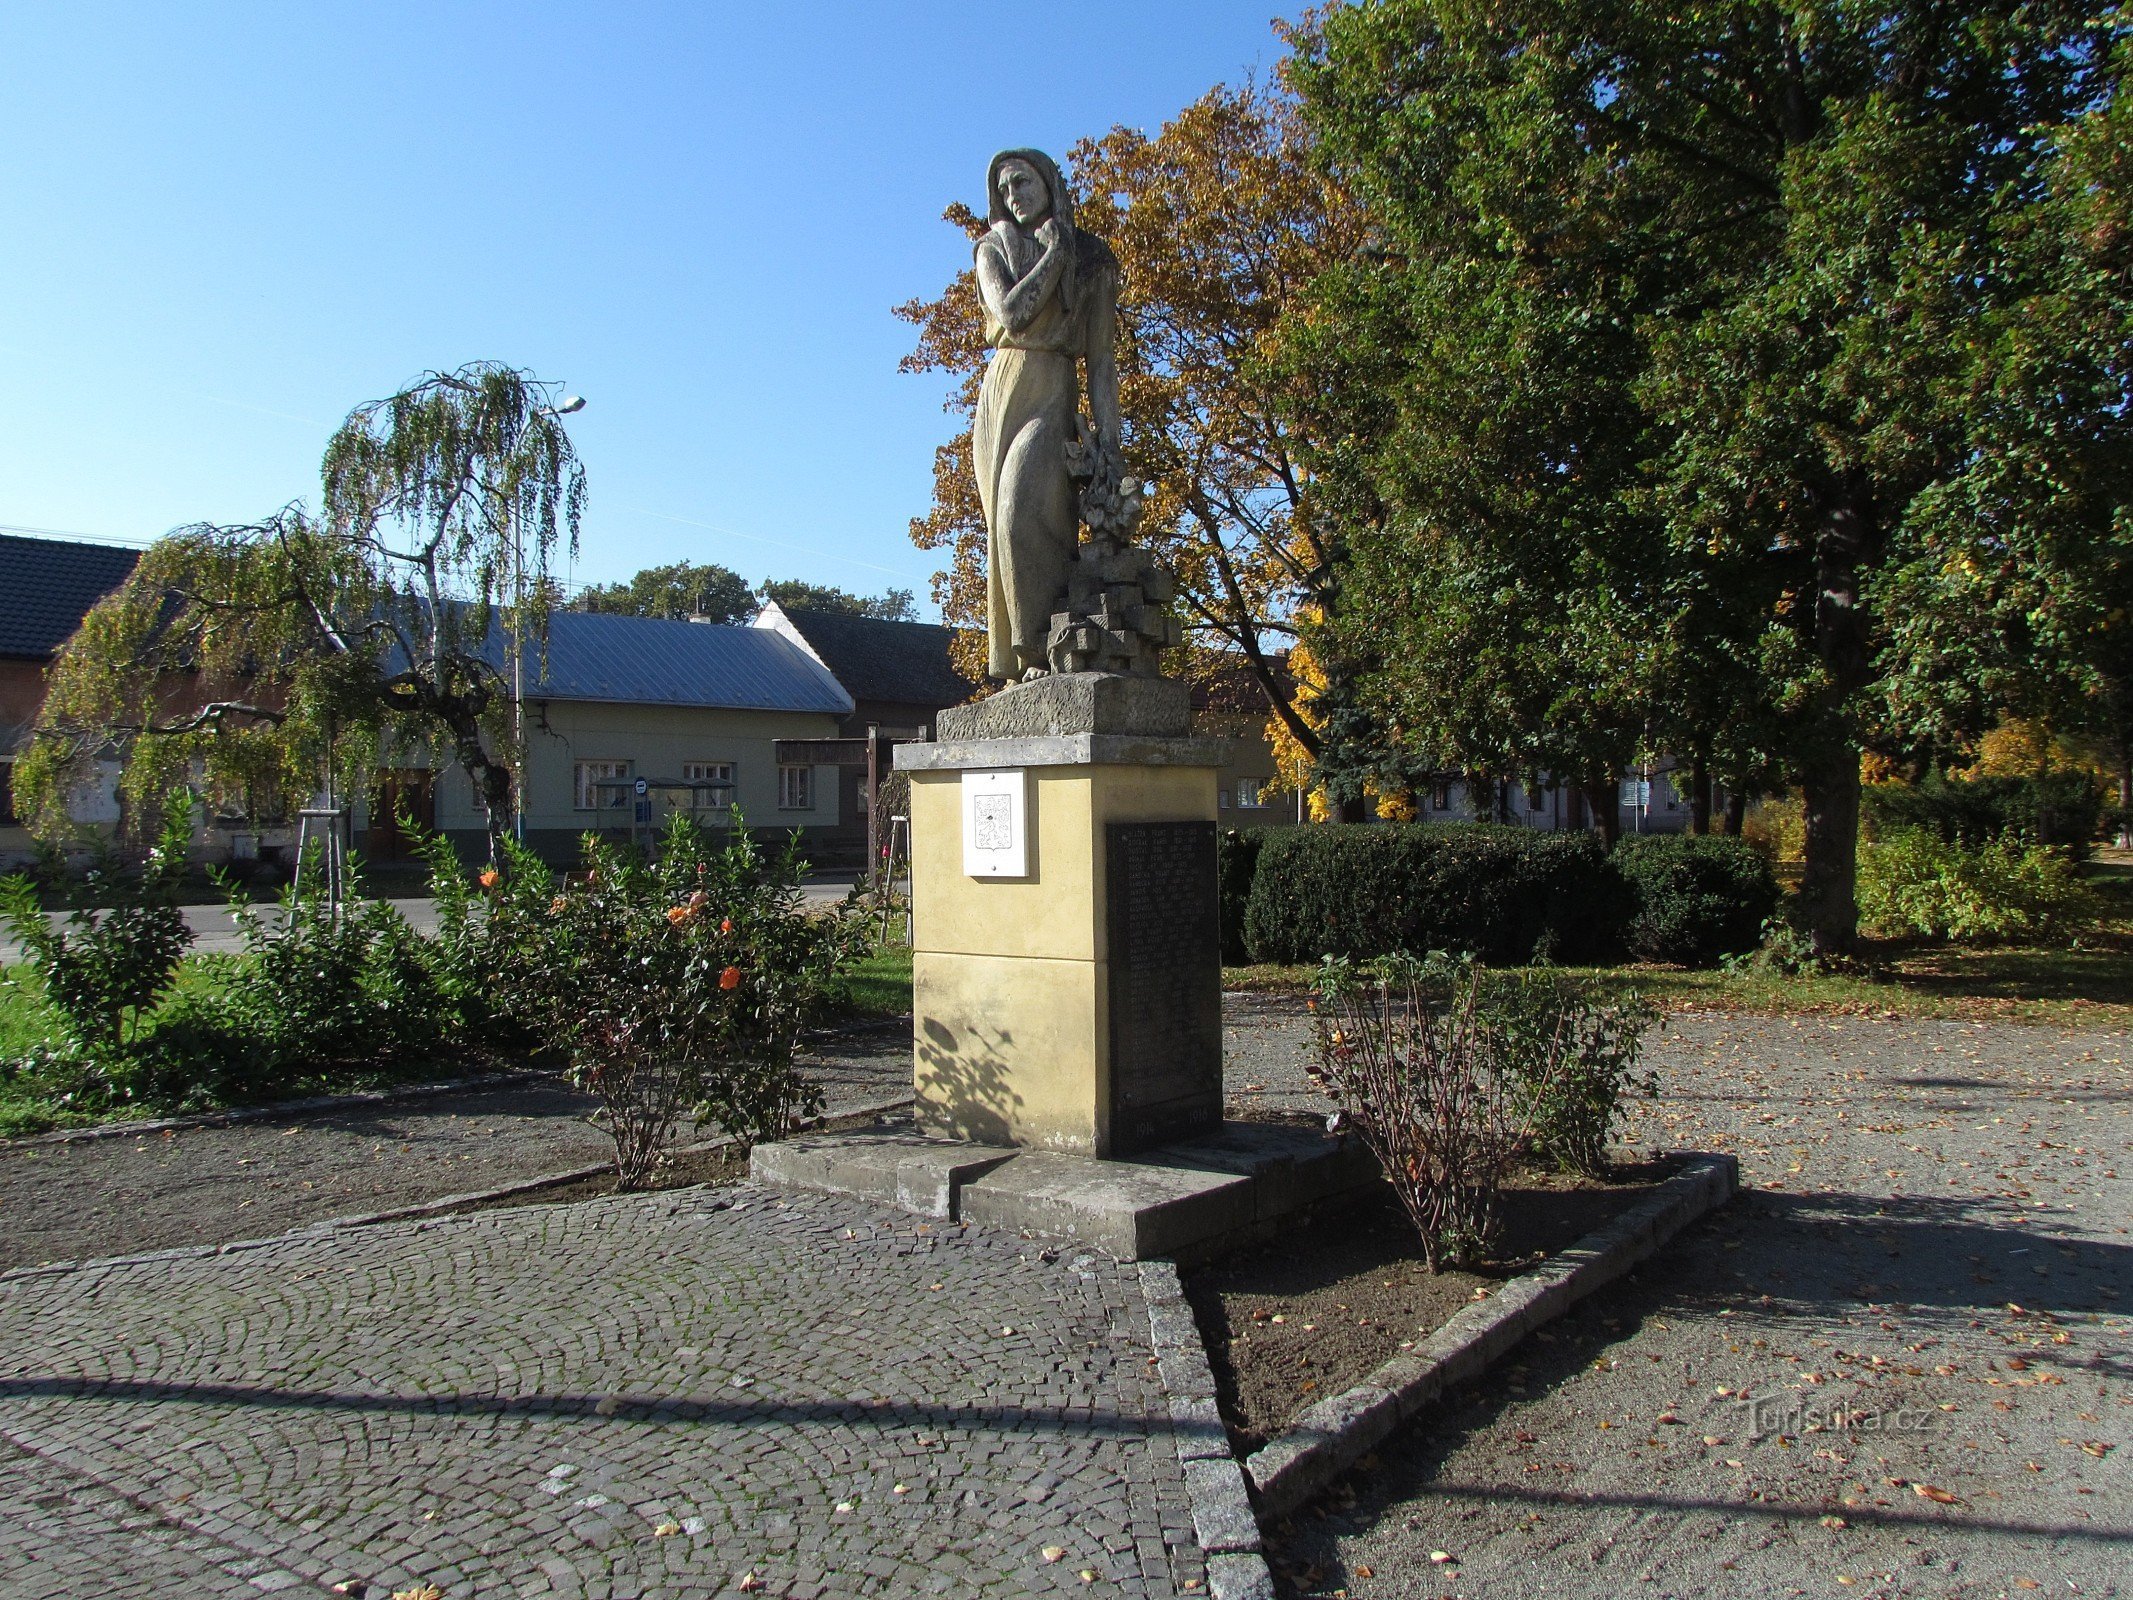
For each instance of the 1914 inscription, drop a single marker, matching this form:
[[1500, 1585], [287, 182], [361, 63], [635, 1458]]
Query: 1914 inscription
[[1166, 981]]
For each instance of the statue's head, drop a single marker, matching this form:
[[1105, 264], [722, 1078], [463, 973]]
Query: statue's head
[[1024, 185]]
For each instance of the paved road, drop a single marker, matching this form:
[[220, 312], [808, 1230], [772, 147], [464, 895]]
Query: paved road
[[657, 1395], [1927, 1290]]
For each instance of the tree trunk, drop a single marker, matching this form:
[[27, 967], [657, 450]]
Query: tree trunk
[[1736, 813], [1828, 902], [1352, 811], [1603, 801], [1699, 793], [495, 784]]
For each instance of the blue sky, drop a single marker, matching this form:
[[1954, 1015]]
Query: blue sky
[[226, 225]]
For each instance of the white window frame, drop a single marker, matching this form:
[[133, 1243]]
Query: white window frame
[[724, 774], [802, 774], [583, 776], [1251, 794]]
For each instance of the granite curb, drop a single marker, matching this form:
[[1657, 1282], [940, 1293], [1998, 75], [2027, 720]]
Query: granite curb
[[444, 1205], [1330, 1437], [1223, 1521]]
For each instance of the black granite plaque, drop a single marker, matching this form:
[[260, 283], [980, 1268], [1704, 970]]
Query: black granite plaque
[[1165, 950]]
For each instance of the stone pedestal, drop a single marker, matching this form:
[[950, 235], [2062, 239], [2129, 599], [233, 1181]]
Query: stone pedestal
[[1066, 951]]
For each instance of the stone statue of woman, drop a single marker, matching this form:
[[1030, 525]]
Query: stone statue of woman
[[1050, 293]]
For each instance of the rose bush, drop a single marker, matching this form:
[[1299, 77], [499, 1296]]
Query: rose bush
[[679, 986]]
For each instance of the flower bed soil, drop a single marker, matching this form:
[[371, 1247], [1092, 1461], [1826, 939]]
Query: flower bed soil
[[1321, 1308], [686, 1169]]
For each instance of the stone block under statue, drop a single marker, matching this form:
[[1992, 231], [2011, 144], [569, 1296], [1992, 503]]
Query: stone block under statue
[[1070, 1000]]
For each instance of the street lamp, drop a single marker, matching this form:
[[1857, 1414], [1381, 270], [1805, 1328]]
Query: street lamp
[[569, 405]]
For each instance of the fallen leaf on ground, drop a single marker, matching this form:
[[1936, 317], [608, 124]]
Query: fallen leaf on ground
[[1441, 1557], [421, 1591], [666, 1530], [749, 1583], [1053, 1552], [1940, 1497]]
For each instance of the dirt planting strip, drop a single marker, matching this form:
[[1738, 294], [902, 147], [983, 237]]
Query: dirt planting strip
[[529, 1191], [1333, 1435], [354, 1098]]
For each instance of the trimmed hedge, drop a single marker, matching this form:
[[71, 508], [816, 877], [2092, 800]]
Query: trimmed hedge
[[1693, 898], [1236, 863], [1504, 894], [1501, 893]]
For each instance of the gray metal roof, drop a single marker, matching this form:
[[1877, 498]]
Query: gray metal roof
[[643, 661]]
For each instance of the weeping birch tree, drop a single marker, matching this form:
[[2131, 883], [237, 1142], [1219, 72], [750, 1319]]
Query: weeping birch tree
[[265, 661]]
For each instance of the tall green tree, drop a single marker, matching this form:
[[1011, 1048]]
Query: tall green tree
[[272, 658], [675, 592], [897, 605], [1708, 282], [2017, 592]]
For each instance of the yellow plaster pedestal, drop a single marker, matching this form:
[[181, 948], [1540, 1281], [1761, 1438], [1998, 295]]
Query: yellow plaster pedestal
[[1037, 1022]]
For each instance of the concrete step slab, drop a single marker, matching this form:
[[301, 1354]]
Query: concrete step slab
[[1188, 1201], [905, 1170]]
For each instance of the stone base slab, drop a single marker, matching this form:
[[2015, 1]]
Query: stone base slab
[[1065, 703], [1184, 1202]]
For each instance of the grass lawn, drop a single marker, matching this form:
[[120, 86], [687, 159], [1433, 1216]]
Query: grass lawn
[[37, 1105], [880, 986], [27, 1018], [2088, 987]]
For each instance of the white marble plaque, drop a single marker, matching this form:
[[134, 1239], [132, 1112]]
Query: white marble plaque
[[996, 824]]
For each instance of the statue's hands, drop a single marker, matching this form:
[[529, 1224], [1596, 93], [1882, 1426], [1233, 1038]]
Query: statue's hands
[[1052, 234]]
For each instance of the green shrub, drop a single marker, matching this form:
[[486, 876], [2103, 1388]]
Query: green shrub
[[1914, 881], [1236, 864], [1449, 1073], [108, 968], [1504, 894], [2061, 808], [485, 923], [1693, 899], [1572, 1058], [321, 986]]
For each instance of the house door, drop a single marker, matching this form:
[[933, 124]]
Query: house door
[[401, 794]]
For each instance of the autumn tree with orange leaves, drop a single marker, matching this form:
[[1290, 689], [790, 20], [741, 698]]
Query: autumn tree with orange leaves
[[1220, 223]]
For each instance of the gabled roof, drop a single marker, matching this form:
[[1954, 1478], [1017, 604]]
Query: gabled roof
[[643, 661], [48, 585], [904, 662]]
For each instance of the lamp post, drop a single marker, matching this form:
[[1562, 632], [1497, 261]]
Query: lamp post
[[569, 405]]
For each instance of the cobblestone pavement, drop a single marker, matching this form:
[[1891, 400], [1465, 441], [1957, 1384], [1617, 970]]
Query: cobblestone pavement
[[655, 1395], [204, 1185], [1900, 1365]]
